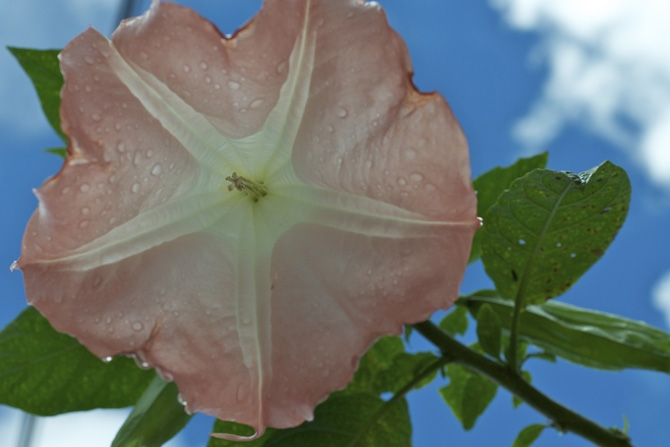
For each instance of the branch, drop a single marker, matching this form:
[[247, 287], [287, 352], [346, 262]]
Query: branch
[[563, 418]]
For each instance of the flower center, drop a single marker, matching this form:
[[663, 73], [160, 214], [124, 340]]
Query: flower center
[[255, 190]]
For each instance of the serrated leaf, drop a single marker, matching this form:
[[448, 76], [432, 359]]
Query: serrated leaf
[[491, 184], [587, 337], [456, 321], [528, 435], [156, 418], [489, 331], [467, 394], [46, 373], [550, 227], [341, 421], [43, 68]]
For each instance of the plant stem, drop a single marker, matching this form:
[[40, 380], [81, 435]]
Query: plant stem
[[562, 417]]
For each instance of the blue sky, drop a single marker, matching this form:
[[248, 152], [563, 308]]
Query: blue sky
[[586, 82]]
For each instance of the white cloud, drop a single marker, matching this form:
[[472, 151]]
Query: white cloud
[[661, 297], [95, 428], [609, 72], [40, 24]]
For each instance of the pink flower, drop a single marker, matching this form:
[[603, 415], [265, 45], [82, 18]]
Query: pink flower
[[249, 214]]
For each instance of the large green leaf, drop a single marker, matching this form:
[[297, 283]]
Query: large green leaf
[[550, 227], [43, 68], [582, 336], [489, 331], [344, 420], [45, 372], [491, 184], [156, 418], [467, 394]]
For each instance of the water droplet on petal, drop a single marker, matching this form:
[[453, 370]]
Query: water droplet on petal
[[137, 326], [135, 188], [84, 187], [181, 400], [234, 85], [107, 359], [341, 112], [83, 224], [203, 65], [410, 154], [402, 181], [96, 117], [85, 210], [256, 103], [65, 190], [156, 170], [186, 68], [14, 266], [416, 177]]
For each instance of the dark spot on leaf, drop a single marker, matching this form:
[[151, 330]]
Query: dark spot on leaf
[[515, 277]]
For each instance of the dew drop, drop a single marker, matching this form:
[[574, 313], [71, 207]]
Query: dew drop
[[402, 181], [150, 153], [186, 68], [137, 326], [234, 85], [416, 177], [121, 147], [83, 224], [208, 80], [181, 400], [84, 187], [203, 65], [430, 187], [410, 154], [330, 128], [135, 188], [85, 210], [281, 67], [156, 170], [341, 112], [89, 60], [256, 103], [65, 190], [96, 117], [107, 359], [217, 86], [14, 266]]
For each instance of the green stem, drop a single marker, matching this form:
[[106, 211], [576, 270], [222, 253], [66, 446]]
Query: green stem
[[562, 417], [437, 364]]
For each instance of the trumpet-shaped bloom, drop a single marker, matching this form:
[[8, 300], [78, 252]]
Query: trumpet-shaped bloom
[[248, 214]]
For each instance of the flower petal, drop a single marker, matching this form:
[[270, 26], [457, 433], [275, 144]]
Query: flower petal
[[257, 308]]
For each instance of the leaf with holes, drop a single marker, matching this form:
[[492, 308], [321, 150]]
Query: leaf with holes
[[491, 184], [550, 227]]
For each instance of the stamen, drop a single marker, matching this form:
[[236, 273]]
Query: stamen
[[256, 190]]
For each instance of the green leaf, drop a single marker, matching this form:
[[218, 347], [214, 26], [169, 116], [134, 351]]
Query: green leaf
[[456, 321], [550, 227], [528, 435], [43, 68], [491, 184], [489, 331], [60, 151], [341, 421], [378, 358], [404, 368], [156, 418], [468, 394], [46, 373], [587, 337]]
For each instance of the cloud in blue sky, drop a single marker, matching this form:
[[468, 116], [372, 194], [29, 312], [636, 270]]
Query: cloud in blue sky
[[609, 71]]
